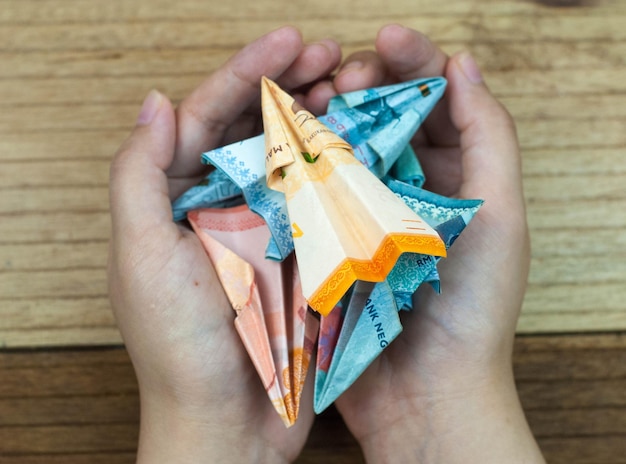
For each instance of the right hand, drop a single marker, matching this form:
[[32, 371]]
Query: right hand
[[444, 390]]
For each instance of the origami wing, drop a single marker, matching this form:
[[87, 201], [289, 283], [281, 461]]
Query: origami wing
[[354, 334], [380, 122], [272, 318], [242, 162], [347, 225], [358, 337]]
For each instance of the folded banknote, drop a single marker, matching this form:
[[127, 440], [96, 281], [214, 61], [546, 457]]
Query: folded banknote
[[324, 216]]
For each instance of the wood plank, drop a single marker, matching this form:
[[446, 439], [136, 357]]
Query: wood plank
[[339, 455], [573, 389], [88, 335], [575, 364], [109, 90], [492, 56], [62, 146], [584, 243], [594, 241], [570, 394], [544, 102], [568, 188], [17, 11], [80, 118], [74, 438], [584, 450], [56, 312], [47, 256], [533, 133], [553, 88], [571, 134], [40, 359], [99, 116], [601, 296], [225, 32], [85, 326], [96, 148], [99, 63], [59, 226], [577, 269], [559, 343], [57, 199], [588, 161], [76, 458], [546, 55], [575, 321], [41, 411], [94, 199], [37, 174], [68, 381], [85, 282], [554, 82], [586, 213], [578, 422]]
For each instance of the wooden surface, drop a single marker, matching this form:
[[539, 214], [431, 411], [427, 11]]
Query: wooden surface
[[73, 74], [80, 406]]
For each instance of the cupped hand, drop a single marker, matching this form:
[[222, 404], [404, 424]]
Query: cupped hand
[[444, 389], [201, 399]]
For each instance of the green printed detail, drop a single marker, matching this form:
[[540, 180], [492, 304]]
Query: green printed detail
[[308, 158]]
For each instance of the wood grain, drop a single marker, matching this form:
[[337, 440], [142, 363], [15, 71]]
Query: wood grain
[[73, 74], [76, 406]]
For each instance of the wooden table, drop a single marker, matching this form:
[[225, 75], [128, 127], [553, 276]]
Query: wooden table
[[72, 76]]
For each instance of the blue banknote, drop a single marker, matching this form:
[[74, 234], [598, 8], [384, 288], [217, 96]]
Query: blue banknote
[[215, 191], [365, 330], [370, 322], [379, 123], [448, 216]]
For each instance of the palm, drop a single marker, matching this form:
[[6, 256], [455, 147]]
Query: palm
[[457, 329], [215, 357], [193, 341]]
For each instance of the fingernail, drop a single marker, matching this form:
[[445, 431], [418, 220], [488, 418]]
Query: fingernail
[[470, 68], [328, 43], [150, 107], [352, 66]]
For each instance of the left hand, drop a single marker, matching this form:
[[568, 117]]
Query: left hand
[[201, 399]]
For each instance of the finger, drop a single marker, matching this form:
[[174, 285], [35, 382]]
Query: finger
[[315, 61], [311, 67], [204, 116], [138, 188], [317, 98], [408, 55], [491, 157], [359, 71]]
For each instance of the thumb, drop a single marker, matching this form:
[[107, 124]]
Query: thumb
[[490, 151], [138, 187]]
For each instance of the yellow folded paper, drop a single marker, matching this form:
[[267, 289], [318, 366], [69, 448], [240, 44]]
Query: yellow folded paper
[[346, 224]]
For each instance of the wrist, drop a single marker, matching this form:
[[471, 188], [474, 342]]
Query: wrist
[[170, 433], [468, 420]]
